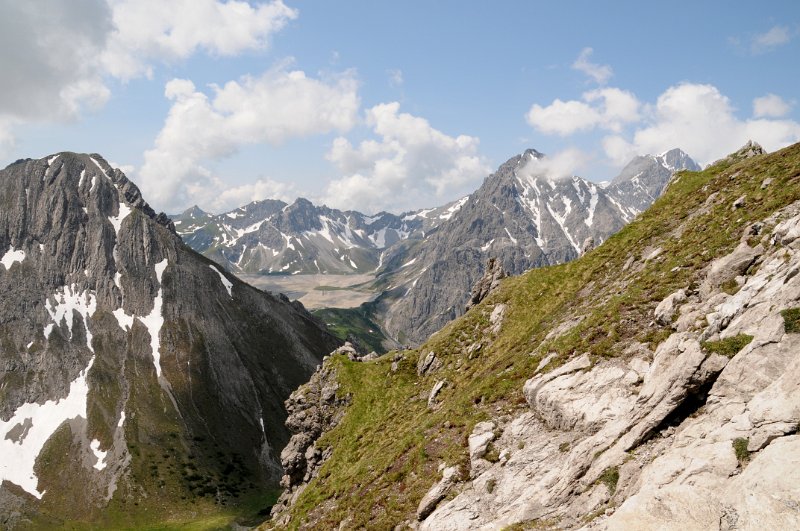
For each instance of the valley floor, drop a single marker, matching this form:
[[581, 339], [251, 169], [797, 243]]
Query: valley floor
[[318, 291]]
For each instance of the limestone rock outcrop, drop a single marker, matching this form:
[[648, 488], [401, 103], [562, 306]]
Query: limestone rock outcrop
[[314, 408], [674, 438]]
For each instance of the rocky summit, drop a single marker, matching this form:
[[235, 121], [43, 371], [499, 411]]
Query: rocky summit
[[140, 380], [521, 217], [649, 384]]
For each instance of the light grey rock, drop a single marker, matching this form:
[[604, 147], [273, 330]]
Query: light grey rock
[[677, 466], [489, 282], [666, 309], [432, 396], [438, 492], [497, 316], [588, 245], [428, 363]]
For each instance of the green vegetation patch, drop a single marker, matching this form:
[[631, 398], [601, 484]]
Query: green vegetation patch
[[610, 478], [350, 324], [729, 347], [740, 449], [791, 320]]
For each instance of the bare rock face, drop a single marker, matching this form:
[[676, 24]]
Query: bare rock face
[[116, 336], [521, 218], [488, 282], [314, 408], [692, 439], [437, 492], [666, 309]]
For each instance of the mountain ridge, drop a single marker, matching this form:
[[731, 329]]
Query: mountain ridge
[[425, 270], [128, 358]]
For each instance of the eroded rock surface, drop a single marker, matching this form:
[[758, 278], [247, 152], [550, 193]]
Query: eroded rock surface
[[662, 423]]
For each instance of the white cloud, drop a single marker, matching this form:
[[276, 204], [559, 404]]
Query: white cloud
[[395, 77], [599, 73], [770, 106], [770, 39], [279, 105], [701, 121], [49, 60], [409, 164], [7, 140], [58, 56], [607, 108], [154, 30], [694, 117], [560, 165], [217, 197]]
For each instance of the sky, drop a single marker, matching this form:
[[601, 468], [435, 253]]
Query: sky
[[372, 105]]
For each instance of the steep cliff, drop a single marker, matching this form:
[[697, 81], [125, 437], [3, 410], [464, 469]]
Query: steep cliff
[[138, 378]]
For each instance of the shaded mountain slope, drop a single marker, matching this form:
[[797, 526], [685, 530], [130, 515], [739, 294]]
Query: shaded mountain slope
[[138, 378]]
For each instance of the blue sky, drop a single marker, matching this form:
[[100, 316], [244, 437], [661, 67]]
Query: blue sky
[[375, 105]]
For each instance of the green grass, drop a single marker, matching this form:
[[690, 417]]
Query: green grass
[[388, 446], [791, 320], [353, 324], [610, 478], [729, 346], [740, 449]]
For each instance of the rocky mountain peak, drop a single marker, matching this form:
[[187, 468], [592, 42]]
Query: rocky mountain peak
[[750, 149], [676, 160], [125, 352], [298, 217], [644, 178]]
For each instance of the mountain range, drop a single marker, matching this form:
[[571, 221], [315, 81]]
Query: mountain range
[[425, 262]]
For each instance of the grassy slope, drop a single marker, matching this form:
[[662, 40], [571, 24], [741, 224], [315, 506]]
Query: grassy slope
[[355, 322], [388, 446]]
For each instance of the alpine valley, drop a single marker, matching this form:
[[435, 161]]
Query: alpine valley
[[577, 355], [424, 263]]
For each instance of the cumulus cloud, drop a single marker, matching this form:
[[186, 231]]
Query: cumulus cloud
[[408, 164], [700, 120], [216, 196], [269, 109], [58, 56], [154, 30], [49, 60], [560, 165], [770, 106], [607, 108], [599, 73], [773, 38], [697, 118]]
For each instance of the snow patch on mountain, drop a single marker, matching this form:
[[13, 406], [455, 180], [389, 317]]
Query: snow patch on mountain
[[23, 436], [12, 256]]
